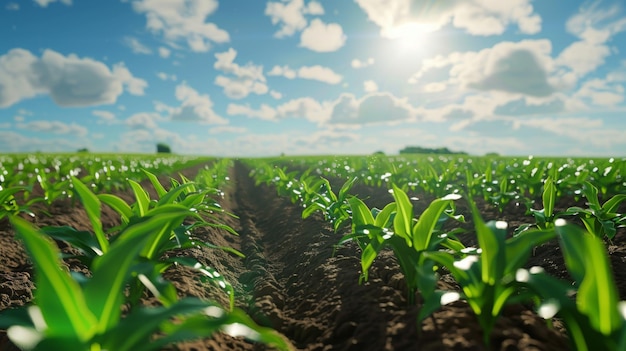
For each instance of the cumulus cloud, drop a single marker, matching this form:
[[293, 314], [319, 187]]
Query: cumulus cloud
[[183, 20], [317, 72], [265, 112], [248, 78], [372, 108], [69, 80], [523, 107], [54, 127], [356, 63], [137, 46], [226, 63], [477, 17], [516, 68], [276, 94], [284, 71], [322, 74], [594, 26], [602, 92], [239, 88], [290, 15], [322, 37], [194, 107], [143, 120]]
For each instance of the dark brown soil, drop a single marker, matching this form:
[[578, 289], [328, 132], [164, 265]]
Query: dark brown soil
[[294, 280]]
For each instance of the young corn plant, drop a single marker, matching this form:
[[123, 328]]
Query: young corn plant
[[67, 315], [600, 219], [486, 275], [595, 319], [318, 196], [410, 239], [173, 235]]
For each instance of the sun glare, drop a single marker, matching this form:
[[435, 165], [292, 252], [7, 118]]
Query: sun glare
[[411, 38]]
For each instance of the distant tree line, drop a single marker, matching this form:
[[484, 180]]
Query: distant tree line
[[427, 150]]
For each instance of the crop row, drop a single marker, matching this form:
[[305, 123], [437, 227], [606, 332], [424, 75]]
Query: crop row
[[73, 311], [493, 273]]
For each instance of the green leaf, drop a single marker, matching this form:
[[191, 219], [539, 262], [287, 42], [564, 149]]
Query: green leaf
[[58, 296], [384, 218], [142, 198], [92, 207], [549, 197], [81, 240], [120, 206], [586, 259], [104, 292], [518, 248], [160, 190], [361, 214], [423, 230], [403, 221], [610, 206]]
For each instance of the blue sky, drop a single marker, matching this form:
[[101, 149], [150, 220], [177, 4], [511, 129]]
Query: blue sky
[[256, 78]]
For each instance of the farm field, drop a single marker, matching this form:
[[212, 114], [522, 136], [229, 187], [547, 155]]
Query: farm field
[[345, 277]]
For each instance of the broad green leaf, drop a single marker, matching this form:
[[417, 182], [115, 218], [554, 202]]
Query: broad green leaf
[[591, 193], [141, 196], [587, 261], [403, 221], [384, 218], [518, 248], [491, 241], [423, 230], [345, 188], [58, 296], [92, 207], [116, 203], [361, 214], [610, 206], [81, 240], [160, 190], [104, 292], [172, 196]]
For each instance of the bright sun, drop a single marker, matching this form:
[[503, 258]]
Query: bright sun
[[411, 38]]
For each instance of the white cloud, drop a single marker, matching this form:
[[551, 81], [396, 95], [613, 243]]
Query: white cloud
[[477, 17], [515, 68], [225, 63], [104, 115], [69, 80], [164, 52], [54, 127], [12, 6], [356, 63], [370, 86], [239, 88], [284, 71], [44, 3], [276, 95], [372, 108], [194, 107], [265, 112], [164, 76], [137, 46], [594, 26], [321, 37], [290, 15], [143, 120], [248, 78], [183, 20], [322, 74], [601, 92]]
